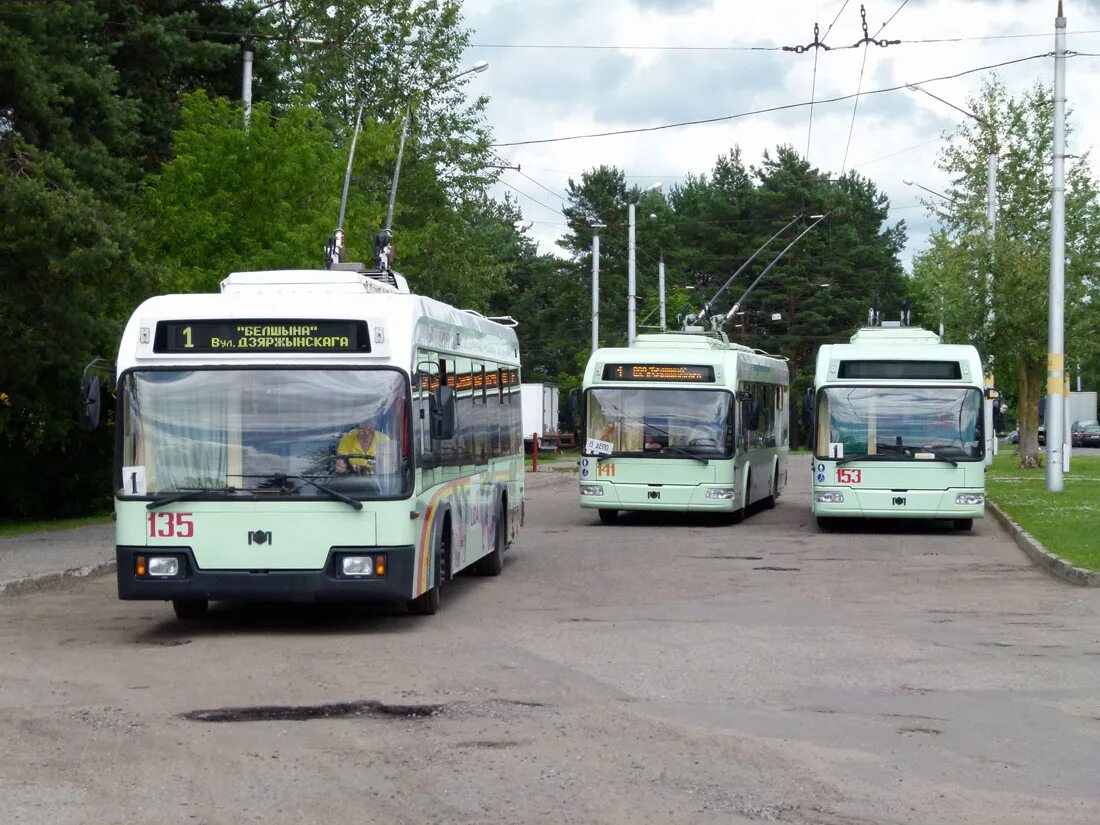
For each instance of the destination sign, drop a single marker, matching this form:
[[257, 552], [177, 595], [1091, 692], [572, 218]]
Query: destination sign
[[262, 336], [659, 372]]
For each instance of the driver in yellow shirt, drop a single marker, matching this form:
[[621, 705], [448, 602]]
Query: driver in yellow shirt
[[357, 449]]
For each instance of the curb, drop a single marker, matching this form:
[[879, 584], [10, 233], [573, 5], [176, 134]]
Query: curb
[[44, 581], [1055, 565]]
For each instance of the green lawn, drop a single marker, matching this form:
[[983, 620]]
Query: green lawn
[[1066, 523], [18, 528]]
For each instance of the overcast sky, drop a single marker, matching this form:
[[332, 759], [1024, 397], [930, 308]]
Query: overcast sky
[[539, 92]]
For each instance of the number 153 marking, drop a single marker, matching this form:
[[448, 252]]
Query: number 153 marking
[[848, 475]]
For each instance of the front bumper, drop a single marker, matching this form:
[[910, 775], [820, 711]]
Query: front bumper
[[662, 497], [322, 585], [937, 504]]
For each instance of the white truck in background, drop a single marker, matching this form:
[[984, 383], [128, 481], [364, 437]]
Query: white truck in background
[[539, 410]]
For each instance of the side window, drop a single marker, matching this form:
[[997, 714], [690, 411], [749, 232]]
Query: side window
[[426, 378]]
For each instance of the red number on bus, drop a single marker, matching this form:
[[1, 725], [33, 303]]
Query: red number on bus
[[848, 475], [171, 525]]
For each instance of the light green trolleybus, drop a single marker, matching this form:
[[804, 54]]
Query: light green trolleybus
[[685, 422], [899, 429], [313, 435]]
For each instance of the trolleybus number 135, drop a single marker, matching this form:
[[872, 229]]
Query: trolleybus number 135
[[171, 525]]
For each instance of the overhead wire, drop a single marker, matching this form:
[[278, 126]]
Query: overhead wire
[[768, 109]]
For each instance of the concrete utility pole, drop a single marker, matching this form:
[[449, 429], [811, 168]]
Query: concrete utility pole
[[246, 83], [631, 308], [1055, 410], [596, 227], [661, 288]]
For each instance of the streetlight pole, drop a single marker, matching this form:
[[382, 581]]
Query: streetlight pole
[[596, 227], [1055, 411], [631, 309]]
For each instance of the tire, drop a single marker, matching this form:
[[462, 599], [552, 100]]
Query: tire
[[963, 523], [608, 516], [190, 609], [492, 564], [427, 603], [742, 512], [769, 502]]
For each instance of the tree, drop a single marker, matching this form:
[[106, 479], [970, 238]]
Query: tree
[[1009, 322], [67, 269]]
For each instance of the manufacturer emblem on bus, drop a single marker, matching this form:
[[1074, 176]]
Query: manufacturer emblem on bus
[[259, 537]]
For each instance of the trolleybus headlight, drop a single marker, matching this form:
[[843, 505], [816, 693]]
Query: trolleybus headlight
[[724, 493], [831, 497], [361, 565], [972, 499], [164, 566], [591, 489]]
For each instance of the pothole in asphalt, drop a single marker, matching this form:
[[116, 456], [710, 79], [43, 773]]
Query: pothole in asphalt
[[775, 569], [909, 731], [302, 713], [363, 709]]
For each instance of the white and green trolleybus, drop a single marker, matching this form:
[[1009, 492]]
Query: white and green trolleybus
[[899, 430], [683, 421], [313, 435]]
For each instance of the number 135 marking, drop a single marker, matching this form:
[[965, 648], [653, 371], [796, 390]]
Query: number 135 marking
[[847, 475], [171, 525]]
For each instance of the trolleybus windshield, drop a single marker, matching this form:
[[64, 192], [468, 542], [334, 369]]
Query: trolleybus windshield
[[662, 422], [264, 432], [901, 423]]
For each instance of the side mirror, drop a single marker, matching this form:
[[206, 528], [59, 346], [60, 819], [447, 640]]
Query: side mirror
[[992, 393], [442, 413], [90, 401]]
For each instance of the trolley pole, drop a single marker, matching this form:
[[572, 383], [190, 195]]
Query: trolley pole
[[1055, 411]]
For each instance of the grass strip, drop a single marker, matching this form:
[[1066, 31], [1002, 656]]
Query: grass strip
[[19, 528], [1066, 523]]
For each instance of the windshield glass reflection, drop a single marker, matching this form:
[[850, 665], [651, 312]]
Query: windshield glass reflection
[[264, 432], [662, 421]]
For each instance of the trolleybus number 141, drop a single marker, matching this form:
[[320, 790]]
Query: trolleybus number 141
[[171, 525], [847, 475]]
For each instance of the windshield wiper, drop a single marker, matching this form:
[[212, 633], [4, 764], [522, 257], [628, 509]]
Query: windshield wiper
[[281, 480], [168, 498], [688, 454], [894, 457]]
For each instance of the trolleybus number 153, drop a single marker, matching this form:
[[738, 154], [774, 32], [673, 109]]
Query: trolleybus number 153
[[848, 475]]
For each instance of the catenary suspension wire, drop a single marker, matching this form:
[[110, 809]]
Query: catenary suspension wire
[[769, 109]]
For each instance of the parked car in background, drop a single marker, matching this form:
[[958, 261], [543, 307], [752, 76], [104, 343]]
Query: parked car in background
[[1014, 436], [1085, 433]]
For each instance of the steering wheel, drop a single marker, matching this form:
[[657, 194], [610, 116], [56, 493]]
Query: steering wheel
[[352, 468], [703, 442]]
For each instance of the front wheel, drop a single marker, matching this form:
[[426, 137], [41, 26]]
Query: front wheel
[[427, 603], [190, 609], [608, 516], [963, 523]]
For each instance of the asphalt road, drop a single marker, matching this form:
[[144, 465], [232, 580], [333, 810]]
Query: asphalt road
[[660, 670]]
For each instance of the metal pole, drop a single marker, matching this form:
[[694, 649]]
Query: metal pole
[[1055, 412], [397, 168], [595, 291], [990, 315], [246, 83], [661, 287], [630, 284], [347, 182]]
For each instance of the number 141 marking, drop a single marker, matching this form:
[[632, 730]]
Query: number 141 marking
[[171, 525]]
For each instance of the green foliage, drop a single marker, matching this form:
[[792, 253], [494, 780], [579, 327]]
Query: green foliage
[[951, 278], [705, 229], [67, 272]]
